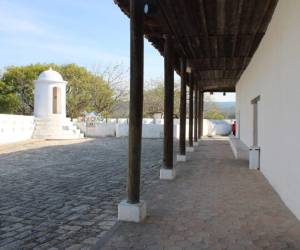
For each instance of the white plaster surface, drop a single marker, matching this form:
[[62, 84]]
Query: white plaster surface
[[14, 128], [274, 75], [50, 125], [254, 158], [132, 212], [189, 149], [167, 174], [151, 128], [43, 94], [99, 130], [181, 158]]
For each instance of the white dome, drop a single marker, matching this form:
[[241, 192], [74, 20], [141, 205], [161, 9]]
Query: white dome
[[50, 76]]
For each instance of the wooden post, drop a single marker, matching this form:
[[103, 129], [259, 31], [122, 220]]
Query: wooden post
[[182, 107], [168, 103], [200, 114], [191, 111], [196, 113], [136, 100]]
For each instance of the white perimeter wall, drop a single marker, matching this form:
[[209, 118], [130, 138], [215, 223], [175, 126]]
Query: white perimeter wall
[[14, 128], [151, 128], [274, 74]]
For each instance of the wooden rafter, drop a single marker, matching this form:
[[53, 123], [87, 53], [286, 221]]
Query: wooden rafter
[[217, 37]]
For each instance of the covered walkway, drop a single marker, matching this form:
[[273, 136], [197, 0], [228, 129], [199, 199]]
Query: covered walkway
[[215, 202]]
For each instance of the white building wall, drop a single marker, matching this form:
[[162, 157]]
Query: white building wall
[[274, 74], [15, 128]]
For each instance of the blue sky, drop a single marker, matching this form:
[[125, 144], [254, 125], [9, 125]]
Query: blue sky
[[91, 33]]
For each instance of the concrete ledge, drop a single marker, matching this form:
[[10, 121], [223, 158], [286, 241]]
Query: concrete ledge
[[132, 212], [239, 149], [195, 144], [181, 158], [189, 149], [167, 174]]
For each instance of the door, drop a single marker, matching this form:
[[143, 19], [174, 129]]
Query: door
[[255, 120], [56, 105]]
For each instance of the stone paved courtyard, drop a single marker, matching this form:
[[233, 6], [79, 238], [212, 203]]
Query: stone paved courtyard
[[64, 195], [59, 195], [216, 202]]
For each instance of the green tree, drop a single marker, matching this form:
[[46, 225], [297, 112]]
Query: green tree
[[213, 115], [86, 91], [19, 83], [154, 98], [211, 110], [8, 100]]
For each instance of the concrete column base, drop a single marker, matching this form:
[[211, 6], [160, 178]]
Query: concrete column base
[[189, 149], [167, 174], [195, 144], [132, 212], [181, 158], [254, 158]]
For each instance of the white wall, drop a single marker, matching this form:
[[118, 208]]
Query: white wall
[[14, 128], [43, 99], [153, 131], [150, 130], [274, 74]]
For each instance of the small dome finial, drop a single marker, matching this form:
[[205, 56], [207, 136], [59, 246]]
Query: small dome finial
[[50, 75]]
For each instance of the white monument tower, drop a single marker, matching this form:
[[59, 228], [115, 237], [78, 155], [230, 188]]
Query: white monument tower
[[50, 108]]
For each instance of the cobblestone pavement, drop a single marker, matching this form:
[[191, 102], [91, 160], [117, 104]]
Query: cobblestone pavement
[[216, 202], [57, 196]]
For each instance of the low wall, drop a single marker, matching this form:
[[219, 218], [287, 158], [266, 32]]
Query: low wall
[[151, 131], [14, 128], [148, 131], [216, 127], [151, 128], [99, 130]]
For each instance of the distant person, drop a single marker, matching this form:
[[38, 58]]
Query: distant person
[[233, 128]]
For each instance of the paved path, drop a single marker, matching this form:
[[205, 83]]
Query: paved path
[[215, 203], [65, 196]]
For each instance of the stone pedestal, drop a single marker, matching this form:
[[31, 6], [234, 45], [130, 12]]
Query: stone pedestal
[[132, 212], [189, 149], [167, 174], [181, 158], [254, 158]]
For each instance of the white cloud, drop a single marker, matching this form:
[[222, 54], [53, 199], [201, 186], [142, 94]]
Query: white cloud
[[24, 28], [15, 19]]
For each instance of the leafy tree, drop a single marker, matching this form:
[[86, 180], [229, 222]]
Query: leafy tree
[[8, 100], [213, 115], [154, 98], [115, 76], [19, 84], [211, 110], [86, 91]]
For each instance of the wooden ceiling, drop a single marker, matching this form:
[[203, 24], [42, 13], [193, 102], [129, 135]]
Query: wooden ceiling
[[218, 37]]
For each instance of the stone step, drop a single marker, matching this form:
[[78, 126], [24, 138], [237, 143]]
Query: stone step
[[56, 128], [57, 132], [59, 137], [54, 122], [53, 119], [50, 132]]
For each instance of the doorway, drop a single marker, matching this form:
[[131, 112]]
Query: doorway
[[56, 104], [254, 102]]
